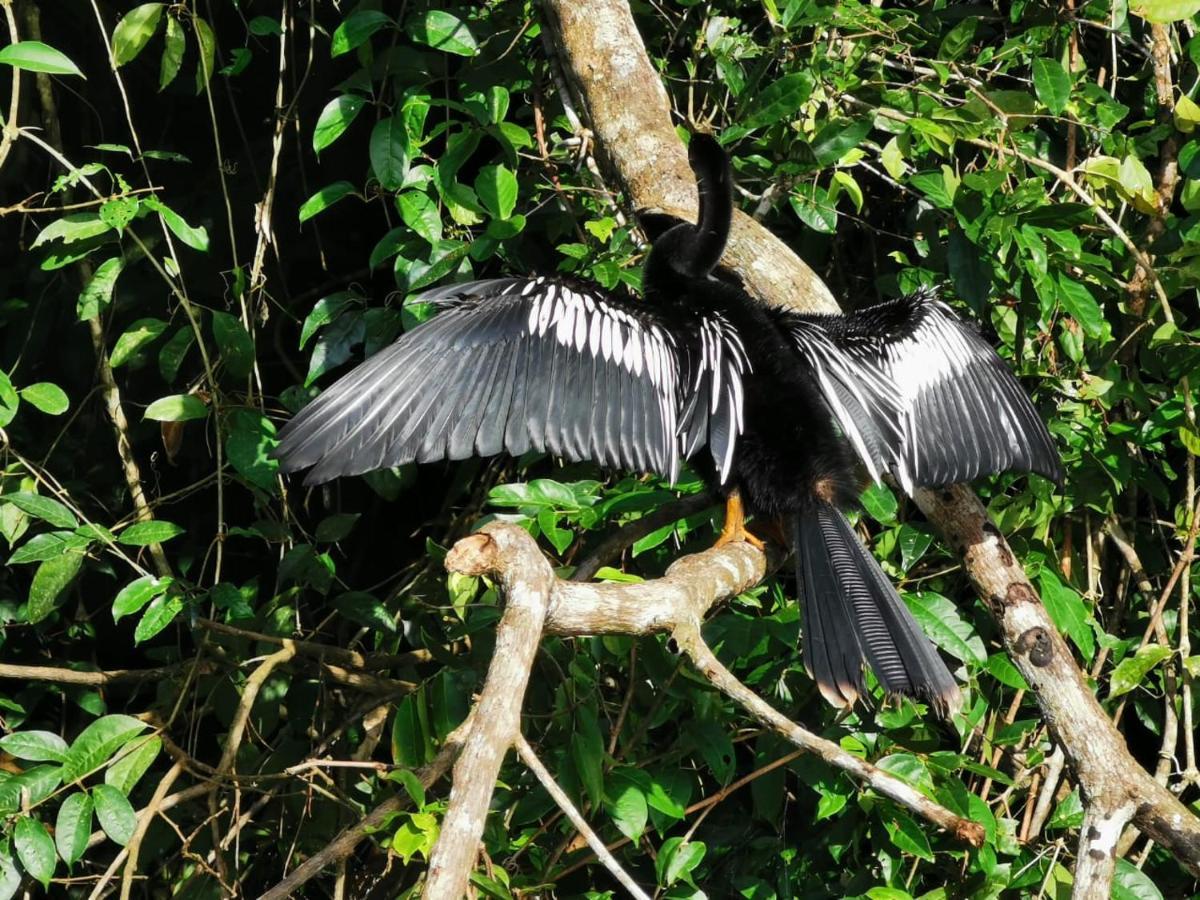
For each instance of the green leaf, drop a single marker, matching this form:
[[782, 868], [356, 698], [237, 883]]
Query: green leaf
[[49, 398], [34, 56], [390, 152], [325, 198], [416, 835], [892, 157], [264, 26], [207, 42], [1163, 12], [587, 753], [35, 849], [97, 293], [1066, 608], [125, 773], [137, 594], [946, 626], [442, 31], [251, 438], [114, 813], [626, 803], [172, 55], [908, 836], [356, 28], [119, 212], [176, 408], [97, 744], [1052, 84], [143, 534], [72, 228], [50, 582], [45, 508], [9, 400], [1186, 114], [335, 118], [49, 545], [136, 336], [958, 39], [195, 237], [1079, 303], [1132, 670], [36, 746], [161, 612], [134, 31], [838, 138], [334, 528], [1131, 883], [497, 189], [880, 503], [365, 609], [780, 100], [174, 351], [677, 858], [73, 827], [237, 349], [323, 312], [420, 213]]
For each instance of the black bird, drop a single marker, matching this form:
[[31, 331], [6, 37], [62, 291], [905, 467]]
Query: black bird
[[788, 405]]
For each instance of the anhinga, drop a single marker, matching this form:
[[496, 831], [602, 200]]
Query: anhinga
[[788, 404]]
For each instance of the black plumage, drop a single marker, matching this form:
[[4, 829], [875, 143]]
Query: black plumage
[[788, 406]]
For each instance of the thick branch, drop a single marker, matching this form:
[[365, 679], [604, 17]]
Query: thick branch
[[1107, 775], [676, 604], [498, 712], [606, 62]]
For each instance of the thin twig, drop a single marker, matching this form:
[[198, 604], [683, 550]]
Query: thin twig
[[564, 803]]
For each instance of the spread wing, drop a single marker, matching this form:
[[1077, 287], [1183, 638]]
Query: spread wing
[[919, 394], [511, 365]]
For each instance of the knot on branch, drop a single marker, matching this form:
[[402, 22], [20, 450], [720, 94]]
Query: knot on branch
[[1036, 644], [474, 555], [970, 833]]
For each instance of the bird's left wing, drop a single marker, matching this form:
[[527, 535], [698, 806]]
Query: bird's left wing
[[510, 364], [920, 394]]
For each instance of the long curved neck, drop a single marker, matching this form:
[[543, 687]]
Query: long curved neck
[[692, 251]]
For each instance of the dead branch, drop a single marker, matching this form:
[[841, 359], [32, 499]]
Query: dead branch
[[498, 711], [564, 803]]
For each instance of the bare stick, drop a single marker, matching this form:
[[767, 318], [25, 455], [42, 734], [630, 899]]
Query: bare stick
[[564, 803], [9, 132]]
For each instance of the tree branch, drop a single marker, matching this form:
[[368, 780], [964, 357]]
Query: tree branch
[[605, 61], [675, 604], [498, 711]]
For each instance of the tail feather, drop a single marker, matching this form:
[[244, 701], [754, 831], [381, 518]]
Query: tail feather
[[852, 614]]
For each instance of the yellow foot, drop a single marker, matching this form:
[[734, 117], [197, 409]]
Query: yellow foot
[[735, 524]]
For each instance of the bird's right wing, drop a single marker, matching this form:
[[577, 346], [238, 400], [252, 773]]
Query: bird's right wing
[[511, 364], [920, 394]]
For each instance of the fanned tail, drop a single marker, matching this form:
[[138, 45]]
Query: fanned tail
[[852, 615]]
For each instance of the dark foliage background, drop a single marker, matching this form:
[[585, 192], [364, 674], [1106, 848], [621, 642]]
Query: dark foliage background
[[237, 213]]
